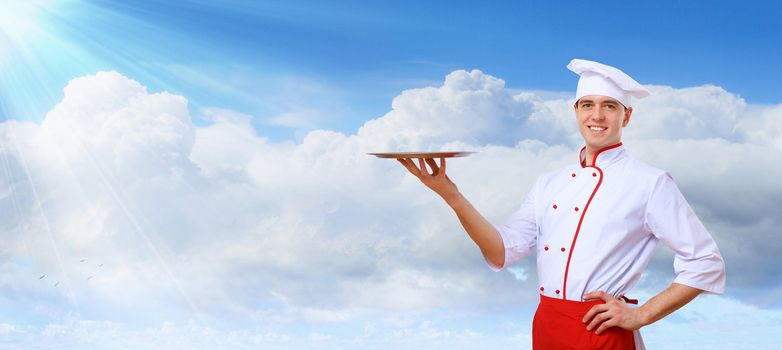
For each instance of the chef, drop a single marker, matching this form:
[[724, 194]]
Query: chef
[[594, 225]]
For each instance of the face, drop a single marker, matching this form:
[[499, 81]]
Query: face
[[600, 120]]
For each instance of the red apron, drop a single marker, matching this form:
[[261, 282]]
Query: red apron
[[558, 325]]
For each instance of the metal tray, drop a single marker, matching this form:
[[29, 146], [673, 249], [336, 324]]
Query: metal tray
[[399, 155]]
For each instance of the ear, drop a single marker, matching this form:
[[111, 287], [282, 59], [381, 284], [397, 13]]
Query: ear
[[628, 113]]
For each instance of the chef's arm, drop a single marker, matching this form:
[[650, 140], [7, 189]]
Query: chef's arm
[[666, 302], [482, 232], [698, 263]]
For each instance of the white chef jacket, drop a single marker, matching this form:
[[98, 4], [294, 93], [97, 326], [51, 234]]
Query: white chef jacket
[[595, 229]]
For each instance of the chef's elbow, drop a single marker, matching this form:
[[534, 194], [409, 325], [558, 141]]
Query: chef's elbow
[[496, 261], [706, 273], [721, 273], [718, 272]]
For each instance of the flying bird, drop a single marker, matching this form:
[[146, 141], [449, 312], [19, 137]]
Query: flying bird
[[82, 260], [101, 265], [89, 278], [42, 276], [56, 284]]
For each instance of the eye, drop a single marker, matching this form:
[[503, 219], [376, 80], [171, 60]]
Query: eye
[[610, 106]]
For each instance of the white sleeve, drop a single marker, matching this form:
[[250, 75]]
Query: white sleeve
[[698, 262], [519, 232]]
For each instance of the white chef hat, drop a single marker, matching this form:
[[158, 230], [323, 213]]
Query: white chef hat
[[600, 79]]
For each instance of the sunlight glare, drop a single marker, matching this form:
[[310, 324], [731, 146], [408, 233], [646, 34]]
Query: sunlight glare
[[19, 16], [18, 23]]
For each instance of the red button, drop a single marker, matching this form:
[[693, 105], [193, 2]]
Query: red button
[[576, 208], [556, 291], [555, 206], [562, 249], [594, 174], [542, 289], [545, 248], [573, 174]]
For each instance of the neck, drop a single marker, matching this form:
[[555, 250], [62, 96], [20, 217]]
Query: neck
[[589, 156]]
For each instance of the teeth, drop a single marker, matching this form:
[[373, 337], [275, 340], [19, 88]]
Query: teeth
[[596, 128]]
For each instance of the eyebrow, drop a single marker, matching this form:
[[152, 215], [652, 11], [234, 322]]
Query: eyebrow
[[604, 102]]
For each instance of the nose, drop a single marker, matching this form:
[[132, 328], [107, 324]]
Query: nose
[[598, 114]]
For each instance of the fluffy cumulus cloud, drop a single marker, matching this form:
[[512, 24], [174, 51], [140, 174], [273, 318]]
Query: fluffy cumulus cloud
[[123, 220]]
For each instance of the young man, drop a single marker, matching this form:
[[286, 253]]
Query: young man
[[594, 226]]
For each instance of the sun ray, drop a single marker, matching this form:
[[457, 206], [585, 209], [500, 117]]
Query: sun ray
[[71, 296], [44, 44]]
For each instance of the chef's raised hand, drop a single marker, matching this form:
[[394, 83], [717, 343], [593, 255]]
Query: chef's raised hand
[[614, 313], [438, 181]]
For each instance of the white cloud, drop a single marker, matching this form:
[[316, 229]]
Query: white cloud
[[691, 113], [216, 224], [470, 107], [765, 127]]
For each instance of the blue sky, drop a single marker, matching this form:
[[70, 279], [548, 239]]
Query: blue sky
[[207, 162], [356, 56]]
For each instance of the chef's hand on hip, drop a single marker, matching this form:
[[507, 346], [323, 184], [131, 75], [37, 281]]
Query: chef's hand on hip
[[614, 313], [438, 181]]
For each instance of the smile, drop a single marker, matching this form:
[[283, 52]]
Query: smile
[[597, 128]]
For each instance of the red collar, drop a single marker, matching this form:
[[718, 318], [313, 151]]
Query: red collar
[[605, 158]]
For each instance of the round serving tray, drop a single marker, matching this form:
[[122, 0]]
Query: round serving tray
[[399, 155]]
